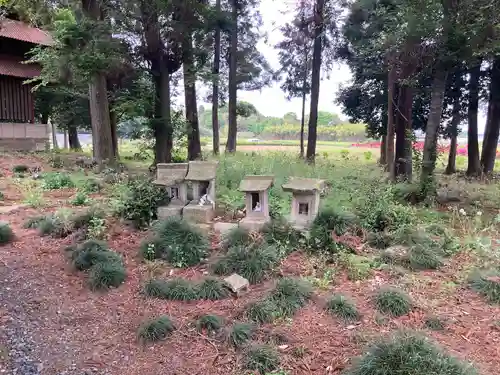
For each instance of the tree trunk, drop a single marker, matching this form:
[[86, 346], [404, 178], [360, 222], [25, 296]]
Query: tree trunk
[[455, 121], [389, 154], [315, 79], [113, 119], [215, 89], [302, 121], [383, 151], [233, 60], [431, 132], [65, 142], [99, 106], [490, 141], [403, 154], [473, 167], [194, 145], [74, 142], [54, 135], [162, 127]]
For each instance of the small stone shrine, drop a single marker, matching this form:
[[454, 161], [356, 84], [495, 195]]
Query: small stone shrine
[[305, 200], [256, 189], [201, 175], [172, 177]]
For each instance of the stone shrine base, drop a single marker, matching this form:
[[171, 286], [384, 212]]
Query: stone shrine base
[[195, 213], [165, 212], [253, 224]]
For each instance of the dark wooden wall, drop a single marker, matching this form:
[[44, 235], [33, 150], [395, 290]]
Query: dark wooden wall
[[16, 100]]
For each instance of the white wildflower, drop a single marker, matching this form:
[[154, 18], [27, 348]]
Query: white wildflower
[[462, 212], [479, 213]]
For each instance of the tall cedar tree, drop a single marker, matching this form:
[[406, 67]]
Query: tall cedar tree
[[215, 77]]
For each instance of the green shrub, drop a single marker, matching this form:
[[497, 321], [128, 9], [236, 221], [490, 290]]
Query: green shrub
[[283, 236], [80, 199], [328, 222], [106, 275], [176, 242], [379, 240], [486, 283], [406, 354], [90, 253], [424, 258], [57, 225], [262, 358], [56, 180], [139, 200], [91, 185], [382, 215], [175, 289], [434, 323], [393, 302], [238, 237], [21, 168], [251, 262], [209, 323], [240, 334], [156, 329], [212, 289], [6, 233], [264, 311], [290, 295], [33, 222], [84, 219], [358, 267], [342, 307]]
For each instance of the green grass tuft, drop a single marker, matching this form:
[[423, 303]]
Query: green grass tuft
[[486, 283], [105, 275], [264, 311], [290, 295], [91, 185], [33, 222], [56, 180], [210, 323], [92, 252], [238, 237], [175, 289], [156, 329], [240, 334], [212, 289], [406, 354], [262, 358], [393, 301], [251, 262], [327, 222], [6, 233], [21, 168], [282, 235], [80, 199], [177, 242], [342, 307]]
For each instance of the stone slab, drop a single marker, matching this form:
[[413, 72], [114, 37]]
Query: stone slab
[[198, 214], [238, 284], [224, 228], [165, 212], [253, 224]]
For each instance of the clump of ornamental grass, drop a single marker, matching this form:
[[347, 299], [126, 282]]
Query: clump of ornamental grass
[[175, 289], [251, 262], [264, 311], [281, 234], [240, 334], [57, 180], [342, 307], [393, 301], [177, 242], [91, 185], [210, 323], [290, 295], [6, 233], [80, 199], [408, 354], [92, 252], [33, 222], [156, 329], [21, 168], [238, 237], [486, 283], [261, 358], [106, 275], [328, 222], [212, 289]]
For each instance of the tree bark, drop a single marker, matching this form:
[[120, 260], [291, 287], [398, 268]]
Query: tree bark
[[383, 151], [74, 142], [54, 135], [431, 132], [194, 145], [389, 154], [315, 79], [162, 127], [232, 115], [65, 142], [490, 141], [99, 106], [215, 88], [455, 121], [473, 167], [113, 119], [303, 120]]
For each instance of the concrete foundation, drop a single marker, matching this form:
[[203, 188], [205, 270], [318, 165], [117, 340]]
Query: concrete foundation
[[198, 214], [165, 212], [253, 224]]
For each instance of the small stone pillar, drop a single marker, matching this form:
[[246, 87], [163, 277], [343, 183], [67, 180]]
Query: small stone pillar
[[256, 189], [172, 177], [305, 200], [201, 175]]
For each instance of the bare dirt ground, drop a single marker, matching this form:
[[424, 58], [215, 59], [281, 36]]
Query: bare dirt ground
[[72, 330]]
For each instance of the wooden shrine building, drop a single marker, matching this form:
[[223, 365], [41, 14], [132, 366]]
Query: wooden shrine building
[[18, 128]]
